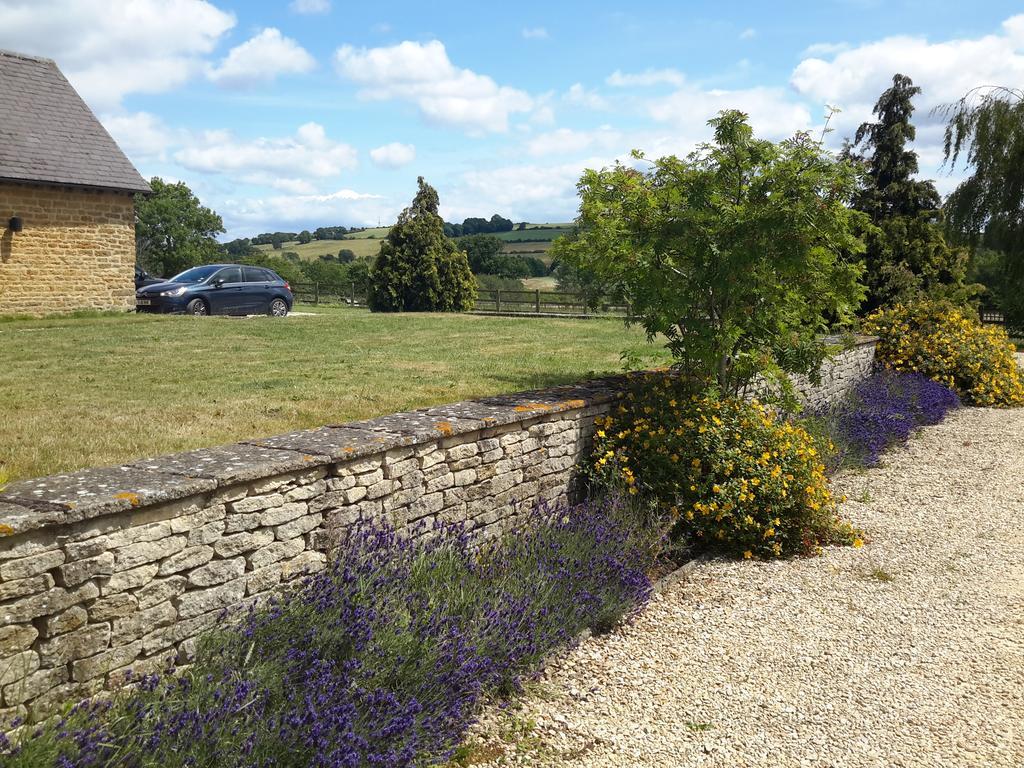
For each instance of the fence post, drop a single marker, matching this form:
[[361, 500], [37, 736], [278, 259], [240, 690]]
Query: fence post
[[536, 299], [497, 300], [316, 292], [352, 293]]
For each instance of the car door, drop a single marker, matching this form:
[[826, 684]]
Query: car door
[[225, 292], [257, 290]]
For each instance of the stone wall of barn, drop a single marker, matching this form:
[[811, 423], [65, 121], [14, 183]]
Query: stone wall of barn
[[76, 250]]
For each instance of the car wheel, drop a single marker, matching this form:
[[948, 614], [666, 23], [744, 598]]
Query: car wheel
[[197, 307], [278, 308]]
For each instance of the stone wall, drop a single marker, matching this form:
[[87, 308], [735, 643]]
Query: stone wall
[[111, 569], [76, 251]]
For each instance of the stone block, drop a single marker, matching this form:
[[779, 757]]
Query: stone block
[[217, 572], [186, 559], [34, 565], [283, 514], [206, 534], [34, 685], [22, 588], [341, 483], [73, 618], [306, 492], [297, 527], [463, 451], [114, 607], [15, 638], [138, 624], [465, 477], [130, 579], [272, 553], [79, 644], [380, 489], [370, 478], [241, 522], [143, 552], [256, 503], [200, 601], [240, 543], [85, 670], [73, 573], [18, 666]]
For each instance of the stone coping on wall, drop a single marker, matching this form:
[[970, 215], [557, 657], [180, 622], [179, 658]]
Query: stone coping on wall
[[29, 505]]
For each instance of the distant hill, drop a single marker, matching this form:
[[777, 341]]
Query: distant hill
[[535, 240]]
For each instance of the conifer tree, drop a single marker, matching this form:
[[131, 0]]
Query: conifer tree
[[907, 252], [418, 269]]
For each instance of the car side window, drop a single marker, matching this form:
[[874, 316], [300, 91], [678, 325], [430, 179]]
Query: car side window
[[229, 275], [269, 276]]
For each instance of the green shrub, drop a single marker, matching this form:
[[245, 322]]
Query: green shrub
[[418, 269], [729, 475], [952, 347]]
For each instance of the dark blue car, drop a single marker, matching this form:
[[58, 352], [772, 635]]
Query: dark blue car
[[219, 289]]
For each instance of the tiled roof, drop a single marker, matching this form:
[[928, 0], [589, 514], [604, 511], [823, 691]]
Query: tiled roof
[[49, 135]]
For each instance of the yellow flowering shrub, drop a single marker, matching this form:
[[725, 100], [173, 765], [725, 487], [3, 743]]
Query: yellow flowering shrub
[[730, 475], [952, 347]]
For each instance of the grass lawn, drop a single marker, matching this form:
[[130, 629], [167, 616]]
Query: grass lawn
[[99, 390]]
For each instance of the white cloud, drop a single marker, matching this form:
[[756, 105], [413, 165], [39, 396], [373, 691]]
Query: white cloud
[[393, 155], [247, 216], [141, 135], [111, 48], [535, 33], [310, 6], [825, 49], [565, 141], [579, 96], [772, 112], [854, 78], [531, 192], [748, 34], [646, 78], [310, 154], [260, 59], [421, 73]]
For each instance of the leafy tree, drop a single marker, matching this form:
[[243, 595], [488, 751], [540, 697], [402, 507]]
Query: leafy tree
[[240, 247], [418, 269], [288, 270], [325, 272], [986, 211], [346, 255], [481, 250], [305, 237], [173, 230], [907, 252], [732, 254]]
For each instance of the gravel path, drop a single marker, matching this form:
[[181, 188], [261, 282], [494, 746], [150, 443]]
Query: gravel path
[[907, 652]]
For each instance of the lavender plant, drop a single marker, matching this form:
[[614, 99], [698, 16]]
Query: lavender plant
[[881, 411], [383, 659]]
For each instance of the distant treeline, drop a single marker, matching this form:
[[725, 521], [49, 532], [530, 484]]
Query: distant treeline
[[470, 226], [477, 226]]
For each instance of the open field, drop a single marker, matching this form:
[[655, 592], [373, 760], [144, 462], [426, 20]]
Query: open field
[[314, 249], [99, 390], [367, 242]]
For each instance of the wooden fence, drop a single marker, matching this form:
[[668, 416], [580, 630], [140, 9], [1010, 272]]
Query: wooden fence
[[505, 302]]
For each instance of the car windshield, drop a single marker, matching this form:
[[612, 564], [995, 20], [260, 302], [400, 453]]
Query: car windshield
[[194, 275]]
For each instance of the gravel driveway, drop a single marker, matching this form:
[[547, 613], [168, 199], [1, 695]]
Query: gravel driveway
[[907, 652]]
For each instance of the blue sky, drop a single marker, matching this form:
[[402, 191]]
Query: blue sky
[[292, 115]]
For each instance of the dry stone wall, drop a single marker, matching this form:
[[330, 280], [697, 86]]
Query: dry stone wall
[[76, 250], [114, 569]]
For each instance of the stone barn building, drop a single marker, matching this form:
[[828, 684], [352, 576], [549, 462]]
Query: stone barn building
[[67, 218]]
